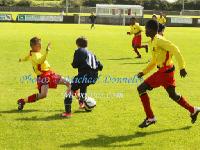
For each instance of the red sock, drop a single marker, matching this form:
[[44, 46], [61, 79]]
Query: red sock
[[147, 107], [32, 98], [186, 105]]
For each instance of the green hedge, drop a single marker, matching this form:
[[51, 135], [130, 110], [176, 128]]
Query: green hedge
[[148, 4]]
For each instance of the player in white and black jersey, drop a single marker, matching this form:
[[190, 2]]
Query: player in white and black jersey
[[88, 67]]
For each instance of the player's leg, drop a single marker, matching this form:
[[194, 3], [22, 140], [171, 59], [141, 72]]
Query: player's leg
[[33, 98], [144, 46], [135, 46], [83, 92], [150, 119], [92, 25], [83, 89], [68, 98], [64, 81], [137, 52], [67, 104], [154, 81], [194, 111], [138, 42], [43, 93]]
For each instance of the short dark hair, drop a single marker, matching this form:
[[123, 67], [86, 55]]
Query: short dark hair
[[34, 41], [82, 42], [154, 15], [152, 24]]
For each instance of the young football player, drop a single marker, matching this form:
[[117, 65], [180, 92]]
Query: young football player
[[45, 77], [162, 52], [161, 28], [92, 20], [88, 67], [137, 39], [161, 19]]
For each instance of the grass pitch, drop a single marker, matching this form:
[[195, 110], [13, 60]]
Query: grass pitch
[[113, 124]]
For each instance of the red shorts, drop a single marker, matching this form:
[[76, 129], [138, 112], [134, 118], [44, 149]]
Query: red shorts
[[48, 78], [137, 40], [162, 78]]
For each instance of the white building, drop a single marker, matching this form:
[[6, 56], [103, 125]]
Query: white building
[[110, 9]]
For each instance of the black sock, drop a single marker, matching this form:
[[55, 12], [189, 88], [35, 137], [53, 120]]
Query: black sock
[[68, 103]]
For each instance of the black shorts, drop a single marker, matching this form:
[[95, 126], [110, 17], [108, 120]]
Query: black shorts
[[161, 27], [84, 80], [92, 22]]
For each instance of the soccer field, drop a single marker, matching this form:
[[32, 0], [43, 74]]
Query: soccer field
[[113, 123]]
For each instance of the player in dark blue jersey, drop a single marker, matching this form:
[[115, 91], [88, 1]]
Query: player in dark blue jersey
[[92, 20], [88, 67]]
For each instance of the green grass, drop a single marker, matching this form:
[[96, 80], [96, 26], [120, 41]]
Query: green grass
[[113, 124]]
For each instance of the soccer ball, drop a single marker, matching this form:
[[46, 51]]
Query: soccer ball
[[90, 103]]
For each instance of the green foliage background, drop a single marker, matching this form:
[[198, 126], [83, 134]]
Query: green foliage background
[[148, 4]]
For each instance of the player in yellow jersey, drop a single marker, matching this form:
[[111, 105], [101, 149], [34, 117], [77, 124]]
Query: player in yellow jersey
[[45, 77], [162, 52], [136, 30], [161, 19], [161, 28]]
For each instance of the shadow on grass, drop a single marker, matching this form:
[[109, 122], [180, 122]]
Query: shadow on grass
[[107, 141], [81, 111], [13, 111], [135, 63], [48, 118], [114, 59]]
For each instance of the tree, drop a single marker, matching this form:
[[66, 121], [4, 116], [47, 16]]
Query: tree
[[7, 2], [25, 3], [94, 2]]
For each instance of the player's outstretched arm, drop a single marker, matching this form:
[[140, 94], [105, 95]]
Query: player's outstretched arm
[[48, 47], [149, 67], [26, 58]]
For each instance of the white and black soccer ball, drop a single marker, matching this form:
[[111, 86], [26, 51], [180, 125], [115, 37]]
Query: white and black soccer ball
[[90, 103]]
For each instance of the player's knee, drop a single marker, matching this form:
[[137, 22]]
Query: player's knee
[[174, 96], [68, 84], [142, 88]]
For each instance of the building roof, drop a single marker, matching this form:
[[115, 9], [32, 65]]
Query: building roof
[[119, 6]]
